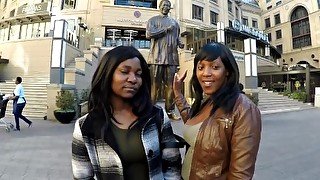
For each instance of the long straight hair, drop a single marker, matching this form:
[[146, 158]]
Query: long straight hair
[[227, 95], [101, 91]]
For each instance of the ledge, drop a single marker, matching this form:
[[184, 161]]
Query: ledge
[[4, 61]]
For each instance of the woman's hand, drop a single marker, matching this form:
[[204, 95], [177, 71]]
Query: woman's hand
[[178, 82], [11, 97]]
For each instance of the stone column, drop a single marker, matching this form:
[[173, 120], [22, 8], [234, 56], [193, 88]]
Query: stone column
[[58, 53], [308, 82], [250, 61], [220, 32]]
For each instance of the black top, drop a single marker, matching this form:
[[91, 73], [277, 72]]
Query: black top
[[128, 145]]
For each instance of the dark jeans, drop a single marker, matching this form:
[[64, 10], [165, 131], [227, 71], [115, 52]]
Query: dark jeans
[[17, 111]]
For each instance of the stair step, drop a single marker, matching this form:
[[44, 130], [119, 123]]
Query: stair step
[[264, 104], [279, 106], [272, 102], [36, 95], [277, 99]]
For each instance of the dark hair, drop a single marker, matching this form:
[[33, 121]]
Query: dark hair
[[99, 97], [19, 79], [162, 1], [241, 86], [227, 95]]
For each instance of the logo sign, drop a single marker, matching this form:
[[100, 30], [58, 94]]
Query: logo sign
[[137, 14], [32, 8], [254, 32], [136, 22]]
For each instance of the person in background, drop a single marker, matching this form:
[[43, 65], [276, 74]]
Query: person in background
[[222, 127], [163, 58], [124, 136], [19, 102], [241, 88]]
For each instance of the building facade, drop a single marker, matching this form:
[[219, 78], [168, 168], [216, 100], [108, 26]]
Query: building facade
[[293, 28], [58, 40]]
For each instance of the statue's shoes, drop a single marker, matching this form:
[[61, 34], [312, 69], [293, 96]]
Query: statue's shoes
[[173, 116]]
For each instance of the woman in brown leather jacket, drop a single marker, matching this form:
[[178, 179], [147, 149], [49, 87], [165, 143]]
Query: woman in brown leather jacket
[[222, 127]]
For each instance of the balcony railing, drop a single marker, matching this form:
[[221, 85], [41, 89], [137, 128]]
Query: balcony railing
[[139, 44]]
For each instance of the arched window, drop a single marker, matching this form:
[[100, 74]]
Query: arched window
[[300, 28], [137, 3]]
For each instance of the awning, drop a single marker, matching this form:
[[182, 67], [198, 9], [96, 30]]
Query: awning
[[245, 35]]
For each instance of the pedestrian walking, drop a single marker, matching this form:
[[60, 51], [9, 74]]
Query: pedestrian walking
[[19, 102]]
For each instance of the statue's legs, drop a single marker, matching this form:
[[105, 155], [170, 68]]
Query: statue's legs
[[168, 81], [162, 79], [156, 78], [170, 70]]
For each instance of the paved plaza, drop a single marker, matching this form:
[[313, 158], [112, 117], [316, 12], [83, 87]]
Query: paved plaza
[[40, 152], [289, 149]]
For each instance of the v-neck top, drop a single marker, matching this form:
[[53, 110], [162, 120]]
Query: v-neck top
[[190, 133], [128, 145]]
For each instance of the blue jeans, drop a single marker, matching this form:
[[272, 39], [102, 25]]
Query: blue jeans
[[17, 111]]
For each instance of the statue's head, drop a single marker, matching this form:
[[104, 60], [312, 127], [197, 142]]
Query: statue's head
[[165, 6]]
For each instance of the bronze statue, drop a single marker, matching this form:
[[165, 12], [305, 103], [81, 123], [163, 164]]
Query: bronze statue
[[163, 58]]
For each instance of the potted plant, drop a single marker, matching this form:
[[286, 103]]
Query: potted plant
[[83, 102], [65, 102]]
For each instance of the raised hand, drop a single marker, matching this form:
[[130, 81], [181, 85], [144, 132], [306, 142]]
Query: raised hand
[[178, 83], [170, 28]]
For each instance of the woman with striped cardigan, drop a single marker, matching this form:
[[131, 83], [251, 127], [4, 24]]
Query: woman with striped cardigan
[[124, 136]]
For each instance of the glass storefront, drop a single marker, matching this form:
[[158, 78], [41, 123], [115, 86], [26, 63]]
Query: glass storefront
[[127, 37], [137, 3], [198, 38], [24, 31]]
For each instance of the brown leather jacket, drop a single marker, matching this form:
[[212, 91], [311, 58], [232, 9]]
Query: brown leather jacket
[[227, 144]]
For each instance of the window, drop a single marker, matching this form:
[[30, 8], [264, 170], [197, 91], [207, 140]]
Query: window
[[12, 13], [301, 42], [14, 32], [267, 22], [300, 28], [279, 48], [230, 23], [255, 24], [269, 7], [5, 3], [197, 12], [278, 34], [213, 17], [214, 1], [235, 43], [278, 3], [268, 1], [269, 37], [69, 4], [137, 3], [229, 6], [237, 13], [245, 21], [318, 3], [277, 19]]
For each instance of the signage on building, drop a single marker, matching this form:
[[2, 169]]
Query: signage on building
[[32, 8], [136, 22], [137, 14], [254, 32]]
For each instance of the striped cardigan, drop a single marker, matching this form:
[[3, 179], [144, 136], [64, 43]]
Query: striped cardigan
[[93, 158]]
